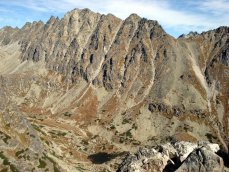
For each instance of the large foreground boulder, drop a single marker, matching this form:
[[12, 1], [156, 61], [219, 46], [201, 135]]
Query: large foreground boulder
[[145, 160], [202, 160], [179, 157]]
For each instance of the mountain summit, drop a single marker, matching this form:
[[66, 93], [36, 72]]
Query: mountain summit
[[87, 88]]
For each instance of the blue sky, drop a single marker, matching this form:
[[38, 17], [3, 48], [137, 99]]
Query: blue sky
[[176, 16]]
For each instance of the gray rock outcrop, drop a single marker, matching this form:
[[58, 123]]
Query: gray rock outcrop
[[180, 157]]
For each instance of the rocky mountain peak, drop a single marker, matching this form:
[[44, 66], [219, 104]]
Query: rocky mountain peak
[[81, 13], [190, 34], [52, 19], [224, 29], [134, 16]]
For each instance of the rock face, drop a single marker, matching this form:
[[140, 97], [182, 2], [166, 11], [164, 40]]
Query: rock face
[[202, 159], [90, 83], [179, 157]]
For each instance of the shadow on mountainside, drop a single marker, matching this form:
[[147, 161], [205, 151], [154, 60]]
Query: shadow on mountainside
[[225, 157], [102, 157]]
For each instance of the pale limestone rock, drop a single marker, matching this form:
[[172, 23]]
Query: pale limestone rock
[[184, 149], [194, 157], [202, 160]]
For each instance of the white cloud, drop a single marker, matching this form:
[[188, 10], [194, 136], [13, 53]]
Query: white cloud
[[3, 10], [217, 11], [208, 14], [216, 7], [160, 10], [156, 10]]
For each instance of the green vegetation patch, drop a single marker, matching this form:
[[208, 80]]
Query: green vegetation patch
[[38, 128], [56, 133], [42, 164], [55, 168], [21, 154], [80, 168], [4, 137], [8, 163], [126, 121]]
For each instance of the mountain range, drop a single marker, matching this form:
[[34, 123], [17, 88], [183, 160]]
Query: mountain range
[[80, 92]]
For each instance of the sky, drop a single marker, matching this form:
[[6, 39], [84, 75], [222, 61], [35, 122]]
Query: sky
[[175, 16]]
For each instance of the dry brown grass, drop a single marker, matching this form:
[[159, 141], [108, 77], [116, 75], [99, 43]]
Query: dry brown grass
[[183, 136]]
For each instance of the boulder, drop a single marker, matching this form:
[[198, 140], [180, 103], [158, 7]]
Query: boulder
[[184, 149], [203, 160], [180, 156], [144, 160]]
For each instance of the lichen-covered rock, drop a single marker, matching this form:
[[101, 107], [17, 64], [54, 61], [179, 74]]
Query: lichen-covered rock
[[145, 160], [184, 149], [202, 160], [181, 156]]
